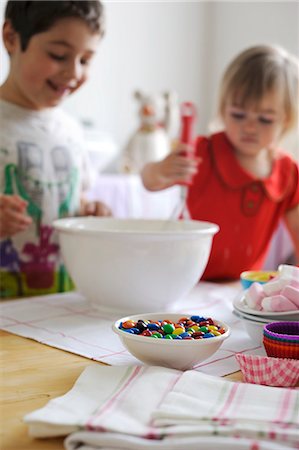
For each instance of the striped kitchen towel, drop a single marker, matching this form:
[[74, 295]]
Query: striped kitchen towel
[[140, 407]]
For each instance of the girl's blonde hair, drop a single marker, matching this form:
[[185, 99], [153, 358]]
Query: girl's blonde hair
[[258, 71]]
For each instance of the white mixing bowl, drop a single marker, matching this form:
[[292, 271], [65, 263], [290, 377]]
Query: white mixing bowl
[[134, 265]]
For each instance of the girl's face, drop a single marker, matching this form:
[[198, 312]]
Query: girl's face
[[252, 129], [54, 65]]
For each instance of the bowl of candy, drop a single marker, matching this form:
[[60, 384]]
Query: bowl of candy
[[260, 276], [134, 265], [171, 340]]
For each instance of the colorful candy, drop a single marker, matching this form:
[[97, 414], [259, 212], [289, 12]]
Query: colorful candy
[[186, 328]]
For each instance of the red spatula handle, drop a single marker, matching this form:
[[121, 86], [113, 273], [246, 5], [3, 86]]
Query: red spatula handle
[[188, 116]]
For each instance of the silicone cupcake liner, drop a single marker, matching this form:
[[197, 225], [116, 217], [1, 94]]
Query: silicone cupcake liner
[[281, 349], [279, 339], [293, 342], [268, 371], [288, 331]]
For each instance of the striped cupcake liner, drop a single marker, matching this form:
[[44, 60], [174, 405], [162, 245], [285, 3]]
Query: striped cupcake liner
[[268, 371]]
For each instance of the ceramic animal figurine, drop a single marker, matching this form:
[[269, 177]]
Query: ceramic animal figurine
[[172, 121], [152, 140]]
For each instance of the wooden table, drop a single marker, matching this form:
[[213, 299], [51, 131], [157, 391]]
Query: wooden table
[[31, 374]]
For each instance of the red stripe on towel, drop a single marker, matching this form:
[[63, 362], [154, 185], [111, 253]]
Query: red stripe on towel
[[110, 403]]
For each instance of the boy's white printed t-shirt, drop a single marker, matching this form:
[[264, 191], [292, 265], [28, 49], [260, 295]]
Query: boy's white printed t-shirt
[[42, 160]]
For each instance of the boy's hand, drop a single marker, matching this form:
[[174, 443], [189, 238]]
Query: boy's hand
[[178, 167], [94, 209], [13, 215]]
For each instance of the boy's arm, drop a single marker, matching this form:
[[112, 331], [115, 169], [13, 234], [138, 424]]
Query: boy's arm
[[94, 208], [13, 215], [292, 223], [87, 207]]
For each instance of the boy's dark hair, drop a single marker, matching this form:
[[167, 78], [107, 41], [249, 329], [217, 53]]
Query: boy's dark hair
[[32, 17]]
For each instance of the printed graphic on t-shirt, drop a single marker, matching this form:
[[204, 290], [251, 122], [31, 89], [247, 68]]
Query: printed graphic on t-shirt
[[47, 181]]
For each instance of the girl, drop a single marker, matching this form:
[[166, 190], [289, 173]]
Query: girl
[[244, 182]]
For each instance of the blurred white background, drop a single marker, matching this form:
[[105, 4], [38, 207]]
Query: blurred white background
[[158, 46], [171, 45]]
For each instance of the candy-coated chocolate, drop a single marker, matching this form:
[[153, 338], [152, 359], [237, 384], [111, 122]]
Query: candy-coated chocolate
[[208, 335], [215, 333], [183, 319], [141, 325], [168, 328], [153, 326], [197, 334], [184, 335], [204, 329], [178, 331], [146, 333], [156, 333], [195, 327], [135, 330], [197, 318], [128, 324]]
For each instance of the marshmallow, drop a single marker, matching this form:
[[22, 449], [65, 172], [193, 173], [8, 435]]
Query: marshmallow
[[294, 283], [289, 272], [254, 296], [274, 287], [277, 303], [292, 294]]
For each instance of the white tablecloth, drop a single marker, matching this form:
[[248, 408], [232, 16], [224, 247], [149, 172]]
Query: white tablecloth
[[127, 197], [67, 321]]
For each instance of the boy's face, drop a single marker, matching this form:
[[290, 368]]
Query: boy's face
[[54, 65], [251, 129]]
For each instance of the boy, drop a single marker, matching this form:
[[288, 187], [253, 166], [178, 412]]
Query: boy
[[50, 45]]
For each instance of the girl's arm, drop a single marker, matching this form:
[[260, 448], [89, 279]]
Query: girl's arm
[[292, 223], [173, 169]]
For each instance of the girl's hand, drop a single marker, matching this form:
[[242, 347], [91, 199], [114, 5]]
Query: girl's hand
[[95, 209], [13, 215], [178, 167]]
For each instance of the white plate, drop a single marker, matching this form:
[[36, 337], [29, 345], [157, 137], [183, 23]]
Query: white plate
[[251, 318], [240, 304]]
